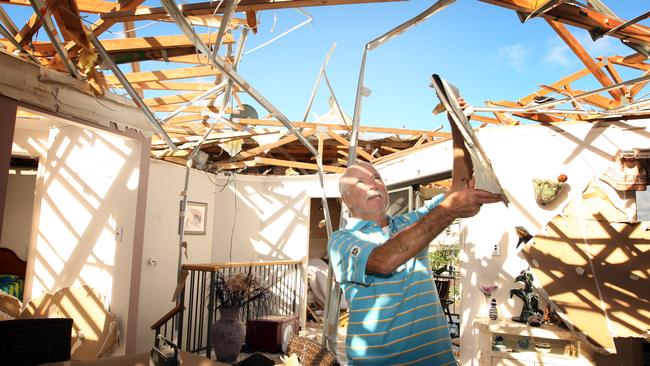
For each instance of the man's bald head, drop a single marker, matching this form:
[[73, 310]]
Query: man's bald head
[[352, 172]]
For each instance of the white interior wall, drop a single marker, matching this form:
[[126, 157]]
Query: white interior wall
[[86, 207], [269, 219], [158, 281], [16, 223], [582, 152], [30, 140]]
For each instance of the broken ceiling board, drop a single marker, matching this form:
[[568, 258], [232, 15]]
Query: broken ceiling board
[[60, 95], [596, 271]]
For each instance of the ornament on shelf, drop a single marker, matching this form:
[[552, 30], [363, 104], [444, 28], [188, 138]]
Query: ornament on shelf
[[494, 313]]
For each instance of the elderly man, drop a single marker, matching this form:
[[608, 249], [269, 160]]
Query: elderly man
[[383, 266]]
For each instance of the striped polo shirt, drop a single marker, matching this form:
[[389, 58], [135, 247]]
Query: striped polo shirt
[[395, 319]]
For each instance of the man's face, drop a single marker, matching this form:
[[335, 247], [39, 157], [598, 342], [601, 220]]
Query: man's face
[[366, 193]]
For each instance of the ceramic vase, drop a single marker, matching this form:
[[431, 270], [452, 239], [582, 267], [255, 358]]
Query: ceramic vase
[[494, 313], [228, 335]]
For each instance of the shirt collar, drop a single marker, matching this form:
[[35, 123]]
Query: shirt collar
[[354, 223]]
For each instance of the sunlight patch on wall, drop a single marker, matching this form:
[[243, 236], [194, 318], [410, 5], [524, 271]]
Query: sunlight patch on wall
[[56, 233], [43, 279], [99, 169], [98, 278], [134, 179], [69, 204], [104, 249]]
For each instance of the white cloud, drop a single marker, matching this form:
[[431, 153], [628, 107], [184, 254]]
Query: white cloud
[[514, 56], [605, 46], [559, 54]]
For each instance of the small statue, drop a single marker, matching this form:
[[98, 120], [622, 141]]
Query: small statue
[[527, 295]]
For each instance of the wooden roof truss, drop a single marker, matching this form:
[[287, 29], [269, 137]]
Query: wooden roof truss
[[187, 117]]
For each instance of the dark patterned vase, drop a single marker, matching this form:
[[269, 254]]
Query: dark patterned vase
[[228, 335], [494, 313]]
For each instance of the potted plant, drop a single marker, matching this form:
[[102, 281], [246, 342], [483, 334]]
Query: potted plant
[[230, 294]]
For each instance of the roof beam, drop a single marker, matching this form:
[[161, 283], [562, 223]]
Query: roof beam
[[587, 60], [85, 6], [341, 127], [156, 42], [260, 149], [582, 17], [294, 164], [170, 74], [208, 8]]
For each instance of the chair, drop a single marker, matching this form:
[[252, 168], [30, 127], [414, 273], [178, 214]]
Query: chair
[[28, 342], [442, 285]]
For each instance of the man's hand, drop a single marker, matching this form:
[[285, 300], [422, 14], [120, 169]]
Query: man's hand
[[467, 109], [468, 201]]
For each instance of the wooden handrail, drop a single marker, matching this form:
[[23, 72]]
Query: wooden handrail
[[213, 267], [166, 317]]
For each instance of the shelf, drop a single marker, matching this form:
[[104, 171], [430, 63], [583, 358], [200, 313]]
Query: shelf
[[520, 329]]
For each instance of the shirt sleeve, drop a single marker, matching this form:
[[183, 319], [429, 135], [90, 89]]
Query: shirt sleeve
[[349, 255], [430, 204]]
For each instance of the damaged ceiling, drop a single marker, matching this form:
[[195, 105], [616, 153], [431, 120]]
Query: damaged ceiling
[[237, 138]]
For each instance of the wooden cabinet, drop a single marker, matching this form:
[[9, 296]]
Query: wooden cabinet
[[565, 349]]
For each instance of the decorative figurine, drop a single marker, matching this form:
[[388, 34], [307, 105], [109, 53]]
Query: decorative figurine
[[527, 296], [494, 313]]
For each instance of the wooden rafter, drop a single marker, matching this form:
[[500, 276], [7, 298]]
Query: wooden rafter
[[582, 54], [294, 164], [260, 149], [169, 74], [558, 84], [580, 16], [86, 6], [207, 8], [342, 127], [361, 152]]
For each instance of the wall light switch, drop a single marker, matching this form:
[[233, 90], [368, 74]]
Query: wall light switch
[[496, 249], [118, 233]]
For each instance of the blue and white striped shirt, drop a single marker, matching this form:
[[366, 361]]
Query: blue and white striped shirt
[[395, 319]]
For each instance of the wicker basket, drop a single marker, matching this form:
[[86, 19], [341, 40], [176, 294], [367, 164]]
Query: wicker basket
[[310, 353]]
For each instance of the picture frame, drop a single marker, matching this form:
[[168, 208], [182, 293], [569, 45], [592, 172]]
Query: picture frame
[[196, 215]]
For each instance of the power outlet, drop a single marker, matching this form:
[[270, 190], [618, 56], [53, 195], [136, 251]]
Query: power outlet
[[496, 249]]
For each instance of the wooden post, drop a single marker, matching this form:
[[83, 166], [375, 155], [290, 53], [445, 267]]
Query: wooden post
[[8, 109]]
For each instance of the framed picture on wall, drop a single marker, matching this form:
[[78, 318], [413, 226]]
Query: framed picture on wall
[[196, 214]]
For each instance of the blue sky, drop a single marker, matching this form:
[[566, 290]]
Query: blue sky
[[481, 48]]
